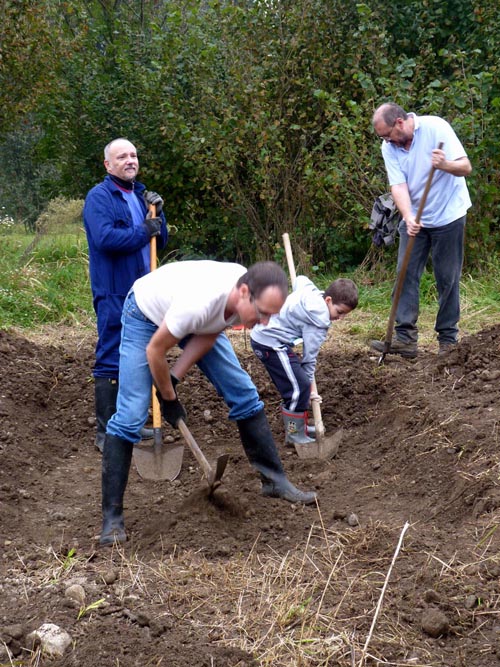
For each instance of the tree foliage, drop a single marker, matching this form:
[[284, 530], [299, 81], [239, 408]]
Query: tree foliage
[[251, 118]]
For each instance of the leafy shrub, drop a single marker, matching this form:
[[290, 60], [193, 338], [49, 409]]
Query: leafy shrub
[[60, 216]]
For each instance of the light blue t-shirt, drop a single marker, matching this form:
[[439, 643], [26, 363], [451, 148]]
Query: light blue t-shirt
[[448, 197]]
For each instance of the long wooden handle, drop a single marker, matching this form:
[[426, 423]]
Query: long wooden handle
[[404, 263], [153, 260], [289, 258], [318, 419], [155, 405], [198, 454]]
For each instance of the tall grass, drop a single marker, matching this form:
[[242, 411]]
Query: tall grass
[[44, 280], [48, 283], [479, 297]]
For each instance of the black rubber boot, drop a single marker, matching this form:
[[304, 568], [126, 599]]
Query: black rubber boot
[[106, 393], [261, 451], [116, 458]]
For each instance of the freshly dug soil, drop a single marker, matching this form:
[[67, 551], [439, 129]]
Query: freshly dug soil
[[420, 445]]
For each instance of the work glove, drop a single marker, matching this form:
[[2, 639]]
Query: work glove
[[151, 197], [173, 410], [153, 225]]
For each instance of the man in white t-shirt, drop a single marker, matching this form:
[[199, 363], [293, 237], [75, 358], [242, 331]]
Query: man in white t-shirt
[[190, 304]]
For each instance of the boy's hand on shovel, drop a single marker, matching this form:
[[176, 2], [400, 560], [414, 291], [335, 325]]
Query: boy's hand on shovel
[[316, 397]]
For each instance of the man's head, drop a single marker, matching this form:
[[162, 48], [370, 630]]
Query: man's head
[[262, 291], [341, 297], [392, 124], [120, 159]]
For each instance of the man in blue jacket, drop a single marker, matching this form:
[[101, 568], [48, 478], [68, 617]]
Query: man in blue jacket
[[119, 230]]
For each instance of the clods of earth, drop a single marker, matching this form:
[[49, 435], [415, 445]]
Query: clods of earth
[[240, 580]]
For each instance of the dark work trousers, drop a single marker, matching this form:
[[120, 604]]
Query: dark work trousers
[[445, 245], [287, 374]]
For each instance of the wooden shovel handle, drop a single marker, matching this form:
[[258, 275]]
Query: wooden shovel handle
[[198, 454], [404, 263], [155, 404], [152, 242], [289, 258], [318, 419]]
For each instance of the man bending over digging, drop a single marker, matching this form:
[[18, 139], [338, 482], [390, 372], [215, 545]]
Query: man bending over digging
[[190, 304]]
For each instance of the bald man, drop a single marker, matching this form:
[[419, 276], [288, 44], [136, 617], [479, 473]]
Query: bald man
[[119, 230]]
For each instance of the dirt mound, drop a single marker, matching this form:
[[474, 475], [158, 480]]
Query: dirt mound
[[420, 446]]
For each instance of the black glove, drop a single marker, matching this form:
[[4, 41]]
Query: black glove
[[172, 411], [153, 225], [151, 197]]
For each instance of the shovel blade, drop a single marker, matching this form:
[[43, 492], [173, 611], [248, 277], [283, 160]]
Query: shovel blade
[[160, 461], [218, 471], [322, 448]]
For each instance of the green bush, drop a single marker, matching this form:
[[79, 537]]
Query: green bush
[[61, 216]]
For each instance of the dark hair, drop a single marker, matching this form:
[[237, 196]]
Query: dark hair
[[391, 111], [343, 291], [263, 275]]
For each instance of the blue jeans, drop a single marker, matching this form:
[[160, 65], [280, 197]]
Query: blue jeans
[[446, 247], [220, 365]]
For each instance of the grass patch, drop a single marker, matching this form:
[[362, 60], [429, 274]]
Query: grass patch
[[44, 280], [48, 284]]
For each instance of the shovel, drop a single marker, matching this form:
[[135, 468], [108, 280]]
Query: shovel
[[159, 461], [323, 447], [404, 266], [212, 475]]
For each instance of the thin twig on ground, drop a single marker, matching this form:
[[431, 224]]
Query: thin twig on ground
[[379, 603]]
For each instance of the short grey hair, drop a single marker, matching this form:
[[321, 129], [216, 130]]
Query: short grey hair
[[108, 146]]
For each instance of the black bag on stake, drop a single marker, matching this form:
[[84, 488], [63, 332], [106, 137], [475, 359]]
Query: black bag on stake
[[384, 220]]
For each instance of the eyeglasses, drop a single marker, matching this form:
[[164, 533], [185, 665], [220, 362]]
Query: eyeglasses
[[387, 137], [259, 313]]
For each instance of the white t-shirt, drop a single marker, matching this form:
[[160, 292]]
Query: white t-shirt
[[190, 297]]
